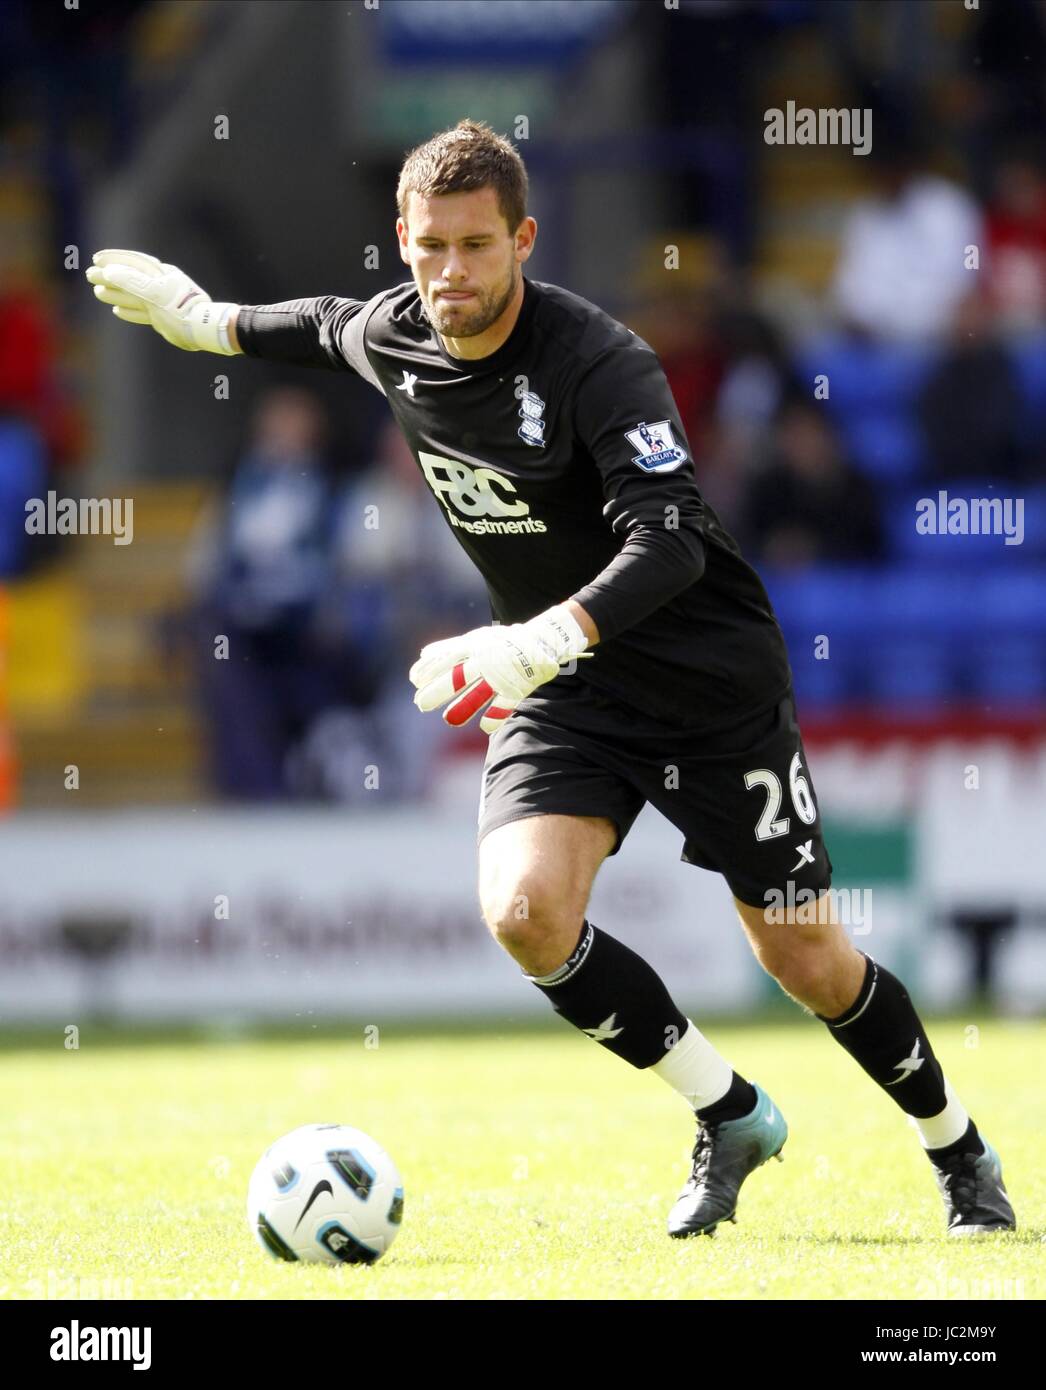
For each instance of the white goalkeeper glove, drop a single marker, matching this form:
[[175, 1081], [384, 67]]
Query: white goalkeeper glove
[[142, 289], [499, 664]]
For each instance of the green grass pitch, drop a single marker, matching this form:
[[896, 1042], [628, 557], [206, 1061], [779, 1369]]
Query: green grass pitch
[[536, 1165]]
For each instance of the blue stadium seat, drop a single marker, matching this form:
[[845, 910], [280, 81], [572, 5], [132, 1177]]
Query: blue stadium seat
[[916, 634], [872, 389], [1029, 357], [885, 446], [821, 683], [23, 472], [910, 670], [916, 599], [823, 602], [1034, 547], [1006, 668], [1015, 602]]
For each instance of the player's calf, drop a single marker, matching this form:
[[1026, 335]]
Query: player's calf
[[868, 1011], [807, 952], [535, 874]]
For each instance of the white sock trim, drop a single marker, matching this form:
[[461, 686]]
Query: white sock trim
[[695, 1069], [936, 1131]]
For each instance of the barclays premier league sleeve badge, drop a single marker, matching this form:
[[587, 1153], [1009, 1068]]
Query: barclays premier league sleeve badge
[[658, 450]]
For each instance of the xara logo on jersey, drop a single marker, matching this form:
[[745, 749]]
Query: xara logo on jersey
[[658, 450]]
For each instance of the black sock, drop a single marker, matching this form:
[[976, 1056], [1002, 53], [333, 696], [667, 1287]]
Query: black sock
[[614, 996], [739, 1101], [882, 1031], [969, 1143]]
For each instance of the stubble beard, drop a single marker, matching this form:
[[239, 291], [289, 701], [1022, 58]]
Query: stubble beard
[[467, 319]]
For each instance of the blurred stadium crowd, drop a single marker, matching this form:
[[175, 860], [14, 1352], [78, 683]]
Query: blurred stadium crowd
[[794, 270]]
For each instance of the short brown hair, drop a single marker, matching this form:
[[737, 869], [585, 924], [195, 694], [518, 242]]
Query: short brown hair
[[459, 160]]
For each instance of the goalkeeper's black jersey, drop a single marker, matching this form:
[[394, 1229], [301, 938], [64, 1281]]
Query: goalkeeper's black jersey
[[560, 463]]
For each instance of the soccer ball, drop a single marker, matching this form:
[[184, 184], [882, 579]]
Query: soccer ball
[[325, 1194]]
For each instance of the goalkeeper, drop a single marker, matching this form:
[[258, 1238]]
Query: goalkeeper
[[635, 656]]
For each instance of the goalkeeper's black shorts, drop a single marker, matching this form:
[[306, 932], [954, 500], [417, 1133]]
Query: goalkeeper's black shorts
[[742, 798]]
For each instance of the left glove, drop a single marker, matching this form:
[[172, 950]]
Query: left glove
[[496, 666], [142, 289]]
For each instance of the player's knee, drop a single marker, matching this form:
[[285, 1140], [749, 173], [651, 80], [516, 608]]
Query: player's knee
[[819, 978], [521, 913], [800, 971]]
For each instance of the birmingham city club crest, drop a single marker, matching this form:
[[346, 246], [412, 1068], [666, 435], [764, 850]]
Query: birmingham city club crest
[[532, 413], [658, 450]]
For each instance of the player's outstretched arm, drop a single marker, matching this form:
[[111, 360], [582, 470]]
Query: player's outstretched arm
[[142, 289]]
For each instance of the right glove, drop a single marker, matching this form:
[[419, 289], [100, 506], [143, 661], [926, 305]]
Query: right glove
[[142, 289], [506, 662]]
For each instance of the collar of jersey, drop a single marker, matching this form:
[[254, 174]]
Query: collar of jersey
[[478, 366]]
